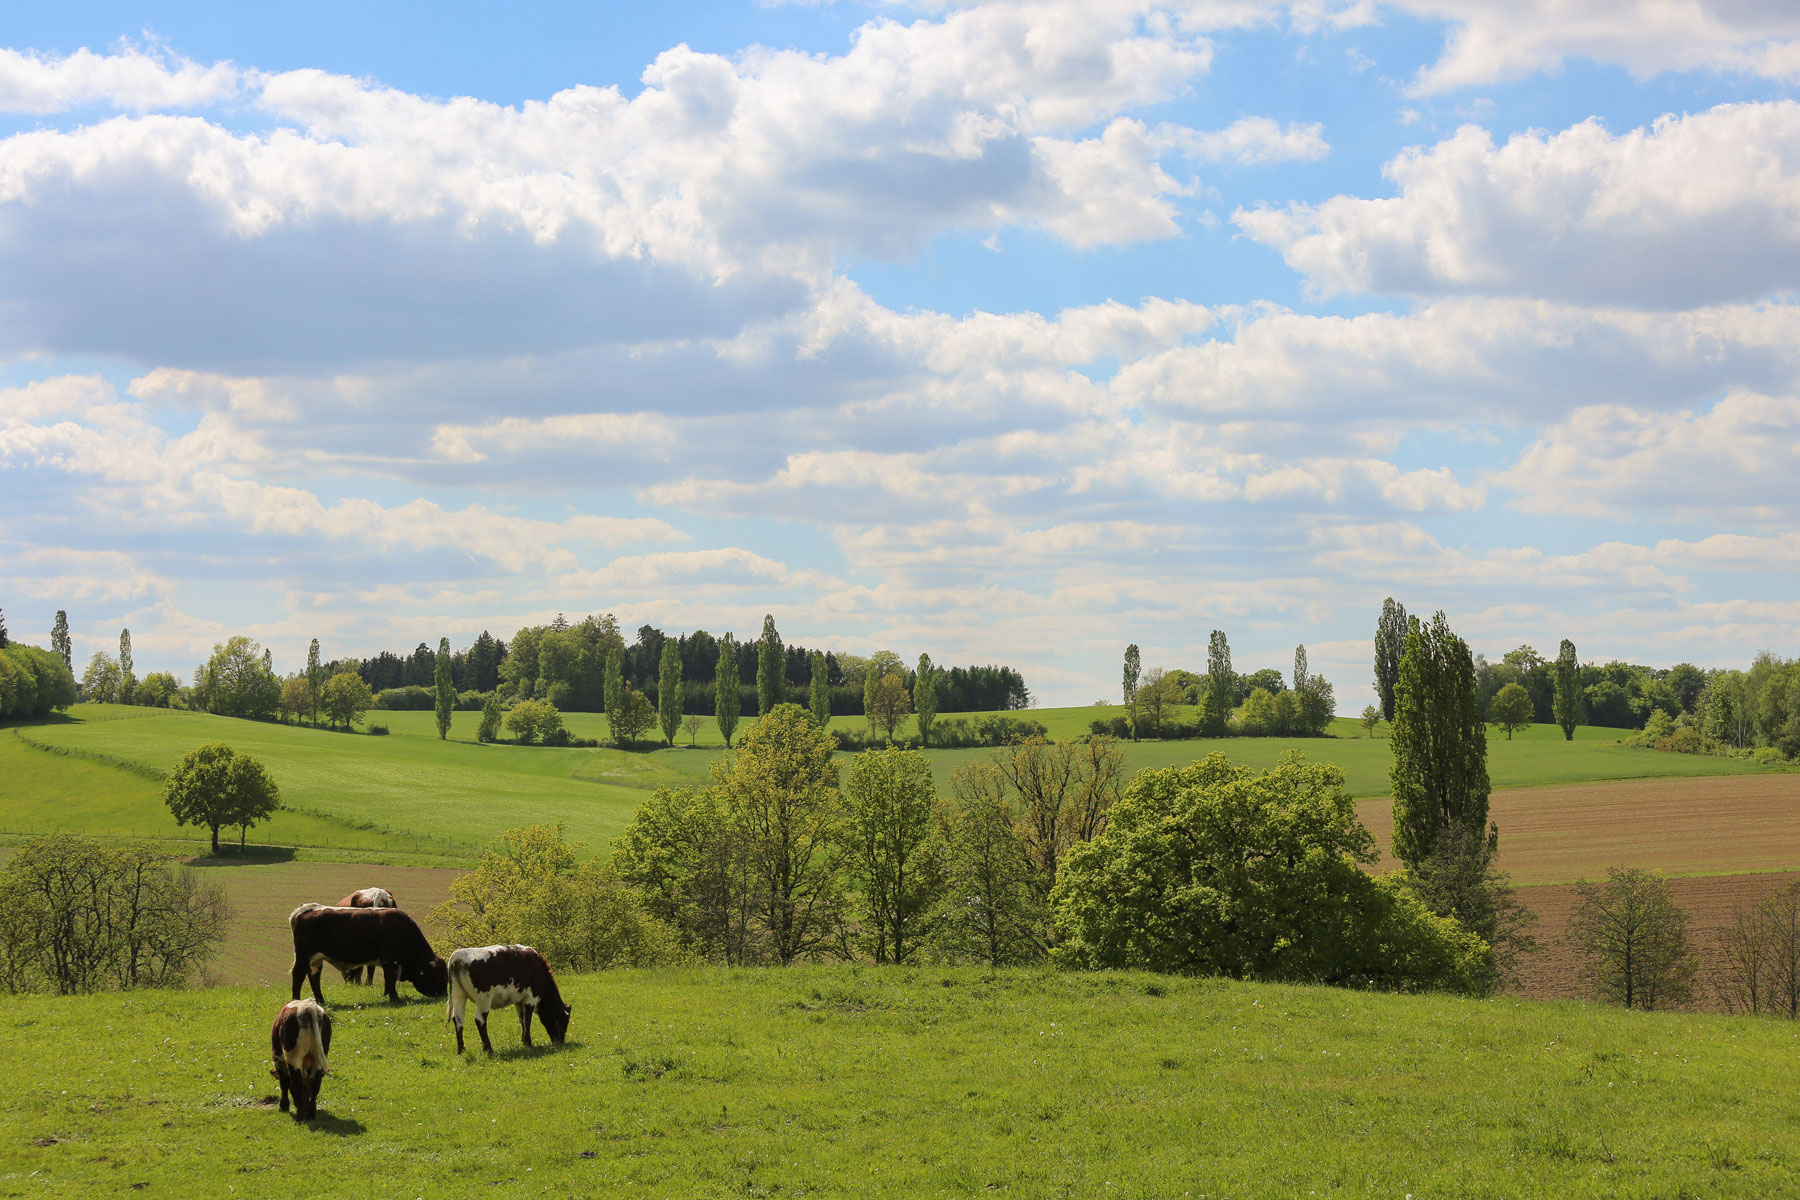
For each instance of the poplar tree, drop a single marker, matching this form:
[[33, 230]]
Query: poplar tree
[[127, 681], [613, 691], [1567, 706], [1439, 776], [1134, 666], [1221, 686], [1390, 641], [770, 686], [924, 698], [727, 703], [819, 689], [315, 677], [668, 690], [1302, 677], [444, 688], [3, 640], [59, 639]]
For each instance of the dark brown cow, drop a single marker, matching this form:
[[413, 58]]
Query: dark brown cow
[[369, 897], [346, 937], [495, 976], [299, 1042]]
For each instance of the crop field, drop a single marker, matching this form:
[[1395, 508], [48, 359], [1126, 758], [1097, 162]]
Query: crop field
[[895, 1082], [1711, 901]]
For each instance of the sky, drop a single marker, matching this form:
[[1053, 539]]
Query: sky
[[1004, 332]]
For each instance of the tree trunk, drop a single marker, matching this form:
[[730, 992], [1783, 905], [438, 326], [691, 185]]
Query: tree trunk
[[215, 835]]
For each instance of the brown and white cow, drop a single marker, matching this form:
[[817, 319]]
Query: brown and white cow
[[493, 977], [299, 1042], [369, 897], [347, 937]]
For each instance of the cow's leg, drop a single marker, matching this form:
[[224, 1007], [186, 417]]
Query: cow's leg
[[300, 971], [313, 977], [481, 1028], [525, 1022], [457, 1001], [390, 975], [312, 1096], [281, 1074]]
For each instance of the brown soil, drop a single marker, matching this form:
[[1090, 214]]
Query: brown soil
[[1555, 972], [1713, 825]]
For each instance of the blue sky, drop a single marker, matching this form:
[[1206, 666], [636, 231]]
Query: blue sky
[[1012, 331]]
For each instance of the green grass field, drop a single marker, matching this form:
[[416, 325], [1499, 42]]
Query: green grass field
[[409, 797], [905, 1083]]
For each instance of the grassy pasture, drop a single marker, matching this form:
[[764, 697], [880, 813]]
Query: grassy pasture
[[865, 1082]]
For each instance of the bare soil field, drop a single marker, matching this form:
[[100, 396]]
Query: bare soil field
[[1711, 901], [1706, 826], [258, 948]]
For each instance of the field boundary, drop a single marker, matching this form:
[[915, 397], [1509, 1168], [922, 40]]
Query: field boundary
[[142, 770]]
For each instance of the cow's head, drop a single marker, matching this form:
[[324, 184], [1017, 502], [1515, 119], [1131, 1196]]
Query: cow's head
[[556, 1020], [432, 979]]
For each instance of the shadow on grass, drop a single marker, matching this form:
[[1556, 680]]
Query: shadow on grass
[[324, 1122], [247, 856], [543, 1049]]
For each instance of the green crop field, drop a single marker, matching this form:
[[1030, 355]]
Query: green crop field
[[897, 1082], [410, 797]]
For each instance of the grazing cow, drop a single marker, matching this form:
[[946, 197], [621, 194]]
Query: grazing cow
[[352, 973], [369, 897], [346, 937], [298, 1042], [496, 976]]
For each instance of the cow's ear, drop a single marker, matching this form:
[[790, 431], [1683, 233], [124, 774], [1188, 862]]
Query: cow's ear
[[290, 1033]]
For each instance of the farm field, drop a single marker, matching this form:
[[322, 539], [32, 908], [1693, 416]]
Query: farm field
[[893, 1082]]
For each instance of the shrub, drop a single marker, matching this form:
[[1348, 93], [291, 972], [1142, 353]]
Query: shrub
[[79, 916], [378, 730], [490, 719], [405, 699]]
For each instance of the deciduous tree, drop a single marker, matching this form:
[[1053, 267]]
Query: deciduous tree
[[296, 697], [993, 908], [1567, 705], [317, 677], [668, 689], [1439, 772], [727, 699], [1371, 717], [60, 642], [818, 693], [1634, 937], [100, 682], [443, 686], [891, 705], [214, 786], [127, 680], [1133, 670], [771, 684], [489, 729], [1221, 685], [925, 697], [893, 851], [1390, 644], [346, 698], [1511, 709]]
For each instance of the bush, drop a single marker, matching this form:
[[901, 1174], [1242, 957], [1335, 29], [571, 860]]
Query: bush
[[377, 730], [531, 719], [490, 719], [531, 887], [406, 699], [471, 701], [79, 916]]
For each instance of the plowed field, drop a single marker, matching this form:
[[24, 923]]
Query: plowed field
[[1713, 826]]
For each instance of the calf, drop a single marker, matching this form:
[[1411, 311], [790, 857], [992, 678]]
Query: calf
[[496, 976], [298, 1042], [369, 897], [346, 937]]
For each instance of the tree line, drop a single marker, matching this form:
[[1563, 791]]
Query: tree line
[[1225, 702]]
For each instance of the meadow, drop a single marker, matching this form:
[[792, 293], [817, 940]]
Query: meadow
[[899, 1082]]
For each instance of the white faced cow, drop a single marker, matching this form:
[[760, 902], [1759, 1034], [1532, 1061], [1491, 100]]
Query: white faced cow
[[493, 977], [299, 1042]]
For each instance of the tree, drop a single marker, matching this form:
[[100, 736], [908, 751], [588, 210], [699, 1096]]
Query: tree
[[636, 717], [615, 692], [893, 851], [1258, 717], [489, 729], [691, 725], [346, 698], [1063, 794], [215, 786], [296, 697], [689, 858], [1634, 937], [1390, 644], [1458, 879], [1371, 717], [1220, 869], [1439, 773], [60, 642], [77, 915], [3, 640], [881, 664], [127, 681], [1157, 697], [818, 692], [728, 702], [236, 681], [771, 686], [780, 791], [156, 689], [41, 680], [1302, 677], [925, 698], [1567, 706], [1133, 669], [1511, 709], [669, 689], [992, 909], [891, 705], [1221, 688], [100, 683], [317, 677], [443, 688], [530, 720], [1758, 956]]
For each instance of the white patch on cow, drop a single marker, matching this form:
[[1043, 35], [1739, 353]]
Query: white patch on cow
[[308, 1054], [463, 989]]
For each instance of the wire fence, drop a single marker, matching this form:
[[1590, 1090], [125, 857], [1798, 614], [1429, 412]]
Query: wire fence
[[401, 843]]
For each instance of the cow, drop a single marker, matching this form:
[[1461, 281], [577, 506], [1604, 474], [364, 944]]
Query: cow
[[496, 976], [298, 1042], [369, 897], [351, 973], [347, 937]]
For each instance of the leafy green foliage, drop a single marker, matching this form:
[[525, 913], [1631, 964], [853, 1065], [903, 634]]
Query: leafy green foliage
[[993, 909], [214, 786], [1371, 717], [1217, 869], [1134, 669], [489, 729], [37, 683], [727, 700], [1221, 688], [925, 697], [635, 717], [893, 852], [891, 705], [1634, 936], [1511, 709], [443, 689], [1390, 644], [668, 690], [818, 692], [771, 687], [235, 681], [530, 720], [1439, 775], [1567, 707], [346, 699]]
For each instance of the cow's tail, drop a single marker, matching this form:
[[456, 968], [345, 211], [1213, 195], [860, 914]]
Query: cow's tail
[[304, 908], [310, 1044], [459, 990]]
